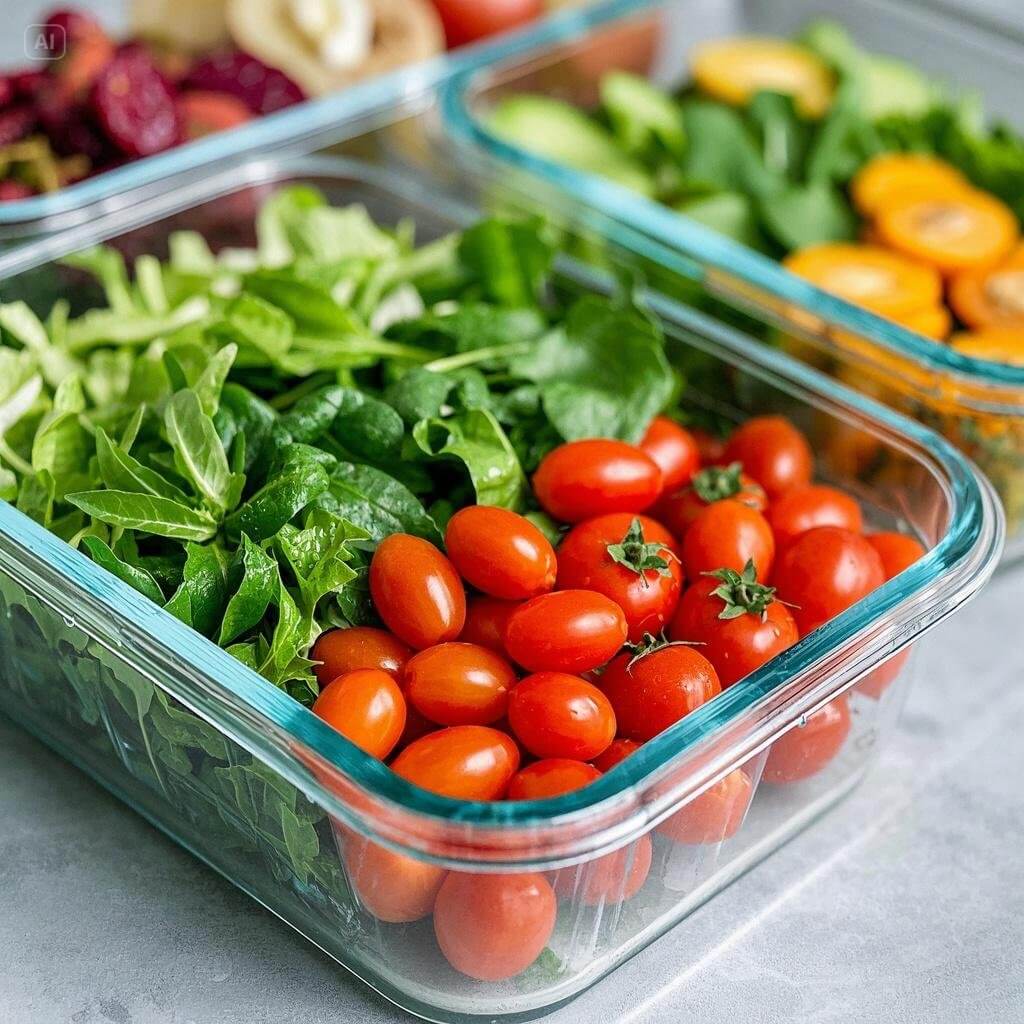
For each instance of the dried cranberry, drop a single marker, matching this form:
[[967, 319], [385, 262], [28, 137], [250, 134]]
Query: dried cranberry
[[134, 106], [6, 91], [262, 89], [68, 27], [16, 123], [27, 83], [70, 126], [11, 191]]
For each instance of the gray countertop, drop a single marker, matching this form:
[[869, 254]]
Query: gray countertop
[[903, 906]]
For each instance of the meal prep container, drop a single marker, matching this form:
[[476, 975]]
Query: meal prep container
[[978, 405], [279, 803]]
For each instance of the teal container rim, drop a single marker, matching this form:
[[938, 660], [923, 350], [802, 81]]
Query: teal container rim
[[949, 574], [703, 244], [322, 121]]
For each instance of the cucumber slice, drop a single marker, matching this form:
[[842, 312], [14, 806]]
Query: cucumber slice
[[559, 132]]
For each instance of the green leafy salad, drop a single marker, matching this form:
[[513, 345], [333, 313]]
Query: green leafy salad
[[231, 434]]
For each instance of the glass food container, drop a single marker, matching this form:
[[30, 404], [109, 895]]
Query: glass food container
[[977, 404], [284, 807]]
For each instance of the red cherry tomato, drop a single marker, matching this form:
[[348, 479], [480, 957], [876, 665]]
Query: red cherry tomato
[[897, 551], [417, 591], [492, 927], [773, 452], [715, 815], [345, 650], [486, 621], [710, 446], [735, 646], [810, 505], [591, 557], [391, 886], [728, 535], [674, 450], [465, 21], [823, 572], [415, 726], [500, 553], [464, 762], [567, 631], [551, 777], [806, 750], [583, 479], [366, 707], [618, 750], [715, 483], [613, 878], [554, 714], [459, 684], [652, 692], [878, 680]]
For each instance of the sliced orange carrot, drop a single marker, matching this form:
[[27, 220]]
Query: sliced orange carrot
[[934, 322], [882, 281], [204, 112], [996, 344], [992, 296], [735, 70], [966, 231], [894, 177]]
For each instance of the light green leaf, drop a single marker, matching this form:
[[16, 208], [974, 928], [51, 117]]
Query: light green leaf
[[147, 513], [134, 575], [123, 472], [198, 451]]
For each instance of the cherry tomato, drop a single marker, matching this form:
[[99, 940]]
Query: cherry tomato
[[567, 631], [486, 621], [416, 725], [417, 591], [618, 750], [465, 21], [583, 479], [878, 680], [806, 750], [715, 815], [897, 551], [625, 558], [491, 927], [554, 714], [345, 650], [715, 483], [551, 777], [711, 447], [366, 707], [674, 450], [613, 878], [761, 627], [810, 505], [500, 553], [823, 572], [464, 762], [459, 684], [652, 692], [728, 535], [773, 452], [392, 887]]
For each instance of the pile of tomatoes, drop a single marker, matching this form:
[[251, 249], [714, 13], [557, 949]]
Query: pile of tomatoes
[[513, 670]]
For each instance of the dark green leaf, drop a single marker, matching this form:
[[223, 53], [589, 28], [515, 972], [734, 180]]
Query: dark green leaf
[[134, 575], [255, 591]]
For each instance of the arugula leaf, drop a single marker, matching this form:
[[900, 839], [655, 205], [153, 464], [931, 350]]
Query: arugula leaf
[[134, 575], [253, 594], [604, 374], [476, 439], [198, 452], [319, 555], [376, 502], [146, 513]]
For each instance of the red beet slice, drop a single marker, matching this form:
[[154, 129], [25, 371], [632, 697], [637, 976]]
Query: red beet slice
[[134, 105], [16, 123], [262, 89]]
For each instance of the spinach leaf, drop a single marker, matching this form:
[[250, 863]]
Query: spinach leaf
[[278, 501], [253, 594], [799, 216], [368, 428], [134, 575], [510, 261], [199, 601], [262, 330], [604, 374], [147, 513], [122, 472], [476, 439]]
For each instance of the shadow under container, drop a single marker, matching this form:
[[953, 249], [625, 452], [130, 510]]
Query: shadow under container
[[349, 854], [977, 404]]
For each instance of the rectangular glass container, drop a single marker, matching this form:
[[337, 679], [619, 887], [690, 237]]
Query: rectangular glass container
[[979, 405], [285, 808]]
